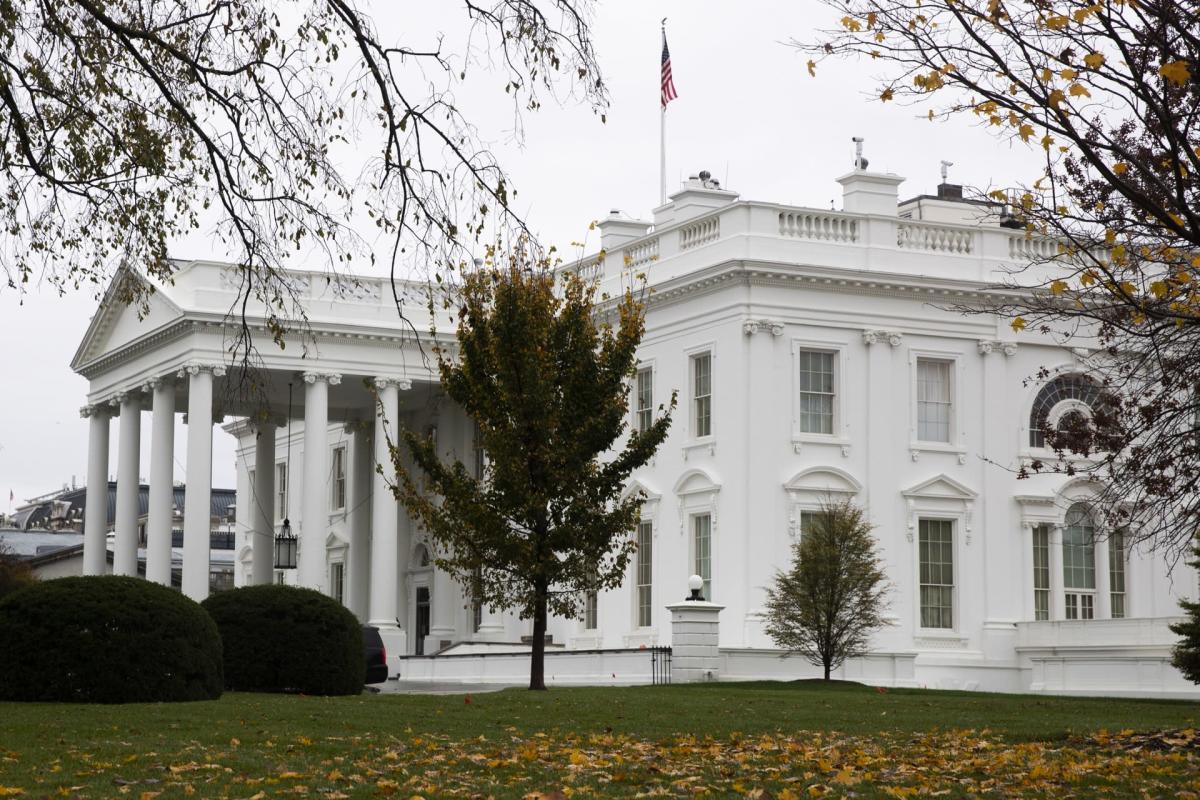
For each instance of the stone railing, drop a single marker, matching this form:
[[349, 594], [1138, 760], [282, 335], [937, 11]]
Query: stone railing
[[817, 226], [700, 232], [936, 238], [1031, 248], [642, 254]]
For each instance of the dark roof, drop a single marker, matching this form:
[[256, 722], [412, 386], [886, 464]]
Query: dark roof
[[72, 502]]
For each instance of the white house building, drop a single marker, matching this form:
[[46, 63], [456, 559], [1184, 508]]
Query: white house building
[[816, 354]]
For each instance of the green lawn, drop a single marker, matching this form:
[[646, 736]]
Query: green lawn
[[760, 739]]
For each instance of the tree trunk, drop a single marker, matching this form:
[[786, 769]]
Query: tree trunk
[[537, 661], [827, 668]]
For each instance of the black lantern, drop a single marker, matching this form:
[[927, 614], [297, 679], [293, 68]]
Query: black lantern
[[285, 547]]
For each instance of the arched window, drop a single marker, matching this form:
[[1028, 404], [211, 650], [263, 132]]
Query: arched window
[[1078, 388], [421, 557], [1079, 562]]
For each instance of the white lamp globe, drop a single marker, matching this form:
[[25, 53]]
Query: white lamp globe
[[695, 583]]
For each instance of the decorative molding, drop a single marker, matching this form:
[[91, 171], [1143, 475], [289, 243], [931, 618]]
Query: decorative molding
[[753, 326], [94, 410], [383, 381], [196, 367], [332, 378], [987, 346], [871, 337]]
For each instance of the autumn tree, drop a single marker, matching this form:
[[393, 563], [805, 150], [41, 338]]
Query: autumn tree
[[1108, 93], [285, 127], [545, 376], [1186, 654], [828, 603]]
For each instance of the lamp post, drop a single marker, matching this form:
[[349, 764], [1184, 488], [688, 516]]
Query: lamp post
[[695, 584], [285, 540]]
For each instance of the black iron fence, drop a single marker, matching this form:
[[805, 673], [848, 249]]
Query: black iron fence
[[217, 540], [660, 665]]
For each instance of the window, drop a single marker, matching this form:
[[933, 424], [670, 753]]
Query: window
[[1079, 563], [480, 454], [702, 395], [816, 391], [1041, 572], [281, 477], [339, 478], [645, 574], [934, 400], [590, 603], [220, 580], [1079, 388], [644, 402], [937, 573], [1116, 572], [279, 579], [337, 576], [702, 551], [476, 602]]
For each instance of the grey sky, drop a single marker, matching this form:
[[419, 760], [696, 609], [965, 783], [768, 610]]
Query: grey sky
[[747, 111]]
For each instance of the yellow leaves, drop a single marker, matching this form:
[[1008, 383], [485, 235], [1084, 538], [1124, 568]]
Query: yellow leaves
[[1058, 287], [1055, 98], [1088, 277], [1078, 90], [1120, 168], [1057, 22], [11, 791], [1025, 131], [577, 758], [1018, 324], [1068, 74], [1093, 60], [1159, 289], [1047, 140], [1176, 72], [851, 24], [886, 94], [812, 68]]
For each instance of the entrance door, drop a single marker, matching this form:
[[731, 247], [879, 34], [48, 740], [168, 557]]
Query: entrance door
[[422, 618]]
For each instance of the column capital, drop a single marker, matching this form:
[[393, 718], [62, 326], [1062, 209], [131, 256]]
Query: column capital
[[94, 410], [196, 367], [871, 337], [156, 382], [987, 346], [384, 381], [332, 378], [753, 326]]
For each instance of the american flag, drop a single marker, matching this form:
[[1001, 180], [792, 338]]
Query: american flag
[[668, 85]]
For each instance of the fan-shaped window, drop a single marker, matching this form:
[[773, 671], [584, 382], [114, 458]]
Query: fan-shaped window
[[1079, 388]]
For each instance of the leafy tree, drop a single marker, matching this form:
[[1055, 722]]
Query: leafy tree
[[15, 572], [129, 123], [1186, 655], [1109, 93], [546, 381], [827, 605]]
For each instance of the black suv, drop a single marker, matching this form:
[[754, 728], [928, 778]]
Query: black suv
[[375, 654]]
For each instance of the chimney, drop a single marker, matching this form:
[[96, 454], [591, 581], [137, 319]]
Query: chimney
[[699, 194], [618, 228], [870, 192], [950, 191]]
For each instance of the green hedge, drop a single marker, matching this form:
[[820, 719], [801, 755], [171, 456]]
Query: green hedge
[[284, 639], [106, 639]]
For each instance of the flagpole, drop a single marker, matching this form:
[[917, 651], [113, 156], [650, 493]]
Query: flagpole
[[662, 137]]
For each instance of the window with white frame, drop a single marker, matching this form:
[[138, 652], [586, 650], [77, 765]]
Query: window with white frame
[[644, 399], [1041, 572], [702, 552], [816, 386], [337, 578], [937, 572], [338, 498], [1116, 572], [644, 573], [591, 602], [476, 601], [1079, 563], [701, 394], [281, 479], [935, 399]]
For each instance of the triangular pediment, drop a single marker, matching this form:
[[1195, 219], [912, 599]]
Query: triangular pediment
[[117, 323], [942, 486]]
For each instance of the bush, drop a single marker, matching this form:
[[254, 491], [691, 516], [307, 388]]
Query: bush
[[15, 572], [105, 639], [284, 639]]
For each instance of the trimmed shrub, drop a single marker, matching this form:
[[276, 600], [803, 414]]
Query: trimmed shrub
[[15, 572], [106, 639], [285, 639]]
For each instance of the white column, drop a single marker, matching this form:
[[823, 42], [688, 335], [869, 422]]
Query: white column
[[197, 507], [362, 468], [162, 490], [95, 520], [1103, 584], [130, 442], [1058, 598], [384, 514], [314, 508], [262, 507], [445, 601], [491, 625]]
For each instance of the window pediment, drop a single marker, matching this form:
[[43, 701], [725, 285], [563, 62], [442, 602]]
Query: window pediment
[[823, 481], [940, 487], [696, 481]]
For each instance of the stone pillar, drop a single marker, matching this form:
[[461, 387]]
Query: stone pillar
[[197, 505], [384, 569], [162, 485], [314, 508], [125, 561], [1103, 583], [1058, 599], [362, 470], [694, 636], [262, 528], [445, 602], [491, 625], [95, 520]]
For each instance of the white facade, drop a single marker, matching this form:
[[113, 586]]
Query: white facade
[[815, 354]]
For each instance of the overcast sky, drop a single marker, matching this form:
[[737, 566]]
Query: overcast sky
[[747, 111]]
